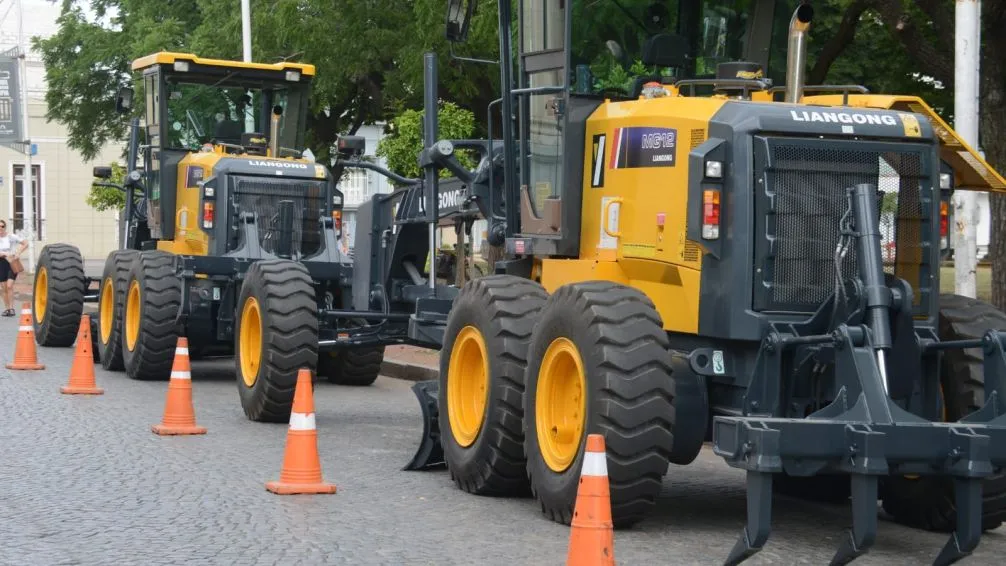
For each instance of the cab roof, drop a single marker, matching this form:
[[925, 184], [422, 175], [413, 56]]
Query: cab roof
[[169, 58]]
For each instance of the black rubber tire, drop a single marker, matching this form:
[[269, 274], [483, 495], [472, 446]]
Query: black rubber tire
[[160, 296], [66, 286], [355, 367], [504, 309], [626, 360], [116, 274], [288, 314], [928, 502]]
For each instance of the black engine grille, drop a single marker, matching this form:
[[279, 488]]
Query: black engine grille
[[800, 206], [263, 196]]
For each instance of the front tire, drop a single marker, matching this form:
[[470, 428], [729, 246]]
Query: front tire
[[112, 306], [149, 336], [928, 502], [58, 295], [277, 335], [598, 362], [482, 380]]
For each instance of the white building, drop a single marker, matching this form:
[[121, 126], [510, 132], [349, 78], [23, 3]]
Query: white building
[[61, 178]]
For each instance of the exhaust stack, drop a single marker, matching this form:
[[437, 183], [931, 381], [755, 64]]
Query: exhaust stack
[[277, 111], [796, 57]]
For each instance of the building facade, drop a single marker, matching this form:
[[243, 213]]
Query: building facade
[[61, 178]]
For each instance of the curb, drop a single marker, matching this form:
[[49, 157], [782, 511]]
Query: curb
[[407, 371]]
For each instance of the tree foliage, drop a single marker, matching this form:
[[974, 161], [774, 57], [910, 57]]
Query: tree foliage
[[404, 139], [102, 198]]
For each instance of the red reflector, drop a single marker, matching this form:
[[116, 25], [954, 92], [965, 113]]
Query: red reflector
[[710, 214], [207, 215], [943, 219]]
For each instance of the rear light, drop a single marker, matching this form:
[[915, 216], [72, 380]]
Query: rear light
[[337, 218], [944, 217], [207, 215], [710, 214]]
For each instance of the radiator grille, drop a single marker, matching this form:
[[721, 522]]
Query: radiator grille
[[803, 202], [263, 196]]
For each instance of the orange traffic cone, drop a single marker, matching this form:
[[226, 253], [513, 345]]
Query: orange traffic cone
[[25, 356], [82, 370], [592, 540], [179, 416], [301, 471]]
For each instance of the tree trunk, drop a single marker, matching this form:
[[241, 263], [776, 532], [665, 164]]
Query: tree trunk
[[993, 128]]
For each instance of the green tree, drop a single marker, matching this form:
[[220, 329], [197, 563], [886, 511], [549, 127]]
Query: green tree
[[404, 139], [102, 198]]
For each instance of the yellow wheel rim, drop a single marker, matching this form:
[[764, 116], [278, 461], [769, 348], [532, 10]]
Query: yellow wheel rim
[[107, 318], [250, 341], [133, 315], [560, 404], [467, 386], [41, 293]]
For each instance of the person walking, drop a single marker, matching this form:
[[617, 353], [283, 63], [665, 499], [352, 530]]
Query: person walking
[[9, 259]]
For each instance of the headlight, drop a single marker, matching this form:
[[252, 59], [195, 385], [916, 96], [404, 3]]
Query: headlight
[[944, 180], [714, 169]]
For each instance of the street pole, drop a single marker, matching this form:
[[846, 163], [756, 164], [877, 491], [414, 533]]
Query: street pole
[[27, 184], [967, 59], [246, 48]]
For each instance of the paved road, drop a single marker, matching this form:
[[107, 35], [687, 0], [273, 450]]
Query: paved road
[[84, 481]]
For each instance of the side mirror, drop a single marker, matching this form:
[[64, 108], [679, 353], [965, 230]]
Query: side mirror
[[351, 146], [124, 100], [459, 17], [103, 172]]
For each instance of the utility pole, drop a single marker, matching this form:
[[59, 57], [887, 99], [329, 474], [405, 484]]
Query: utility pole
[[246, 43], [27, 183], [967, 51]]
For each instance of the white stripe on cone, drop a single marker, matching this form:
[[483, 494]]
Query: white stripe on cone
[[594, 464], [25, 328], [181, 375], [181, 351], [301, 421], [25, 311]]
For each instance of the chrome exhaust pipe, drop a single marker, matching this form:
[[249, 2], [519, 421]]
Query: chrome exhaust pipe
[[277, 111], [796, 57]]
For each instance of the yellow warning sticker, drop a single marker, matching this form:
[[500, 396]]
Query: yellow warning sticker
[[911, 124], [638, 250], [319, 171]]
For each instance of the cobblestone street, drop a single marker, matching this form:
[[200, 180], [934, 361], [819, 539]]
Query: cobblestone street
[[84, 481]]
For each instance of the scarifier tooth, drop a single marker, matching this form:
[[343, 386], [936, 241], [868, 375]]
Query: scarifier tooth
[[430, 453], [863, 533], [759, 503], [965, 538]]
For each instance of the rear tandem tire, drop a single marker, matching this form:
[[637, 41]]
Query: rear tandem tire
[[58, 295], [602, 346], [149, 336], [112, 306], [276, 336], [355, 367], [482, 380], [928, 502]]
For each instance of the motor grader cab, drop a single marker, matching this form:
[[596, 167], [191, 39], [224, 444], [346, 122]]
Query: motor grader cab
[[230, 238], [703, 248]]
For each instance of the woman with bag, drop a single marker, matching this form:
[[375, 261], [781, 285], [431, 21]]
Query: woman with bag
[[10, 264]]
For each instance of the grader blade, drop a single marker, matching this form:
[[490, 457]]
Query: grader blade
[[430, 453]]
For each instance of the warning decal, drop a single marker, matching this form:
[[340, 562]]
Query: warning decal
[[643, 146]]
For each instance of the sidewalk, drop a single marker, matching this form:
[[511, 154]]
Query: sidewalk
[[403, 362]]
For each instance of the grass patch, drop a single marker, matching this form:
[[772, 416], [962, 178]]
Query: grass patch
[[984, 282]]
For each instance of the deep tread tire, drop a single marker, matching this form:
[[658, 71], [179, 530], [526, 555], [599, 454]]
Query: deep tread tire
[[160, 296], [504, 309], [928, 502], [356, 367], [66, 286], [289, 327], [116, 270], [630, 392]]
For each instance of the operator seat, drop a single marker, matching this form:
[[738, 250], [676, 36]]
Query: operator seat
[[661, 50], [228, 131]]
